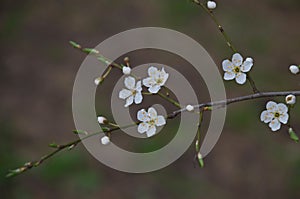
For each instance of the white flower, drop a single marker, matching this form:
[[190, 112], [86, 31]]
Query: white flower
[[149, 121], [294, 69], [236, 68], [275, 115], [133, 93], [189, 108], [211, 5], [290, 99], [105, 140], [102, 120], [126, 70], [156, 79]]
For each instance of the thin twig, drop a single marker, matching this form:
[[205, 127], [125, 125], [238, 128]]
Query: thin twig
[[169, 99], [226, 37], [220, 27], [223, 103]]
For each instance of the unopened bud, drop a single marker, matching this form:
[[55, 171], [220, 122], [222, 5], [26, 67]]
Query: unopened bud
[[211, 5], [126, 70], [105, 140], [290, 99], [102, 120], [294, 69]]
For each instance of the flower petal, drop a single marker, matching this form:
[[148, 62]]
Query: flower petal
[[138, 98], [227, 65], [229, 75], [246, 66], [237, 59], [284, 118], [124, 93], [154, 89], [152, 113], [164, 76], [129, 82], [129, 101], [152, 71], [282, 108], [142, 115], [241, 78], [138, 86], [160, 121], [151, 131], [143, 127], [274, 125], [148, 82], [271, 106], [266, 117]]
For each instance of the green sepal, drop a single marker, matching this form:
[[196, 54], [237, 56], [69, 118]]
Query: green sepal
[[74, 44]]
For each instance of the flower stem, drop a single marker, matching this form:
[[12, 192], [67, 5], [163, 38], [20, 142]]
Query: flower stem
[[174, 102], [220, 27], [252, 83], [226, 37], [169, 99]]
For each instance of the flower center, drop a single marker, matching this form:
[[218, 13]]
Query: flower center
[[133, 92], [237, 69], [152, 122], [276, 115], [159, 81]]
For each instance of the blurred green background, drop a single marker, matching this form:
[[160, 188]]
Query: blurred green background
[[38, 68]]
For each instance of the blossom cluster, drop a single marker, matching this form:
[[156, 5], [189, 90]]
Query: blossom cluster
[[133, 93]]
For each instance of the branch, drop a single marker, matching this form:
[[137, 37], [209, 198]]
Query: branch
[[59, 148], [223, 103], [203, 106]]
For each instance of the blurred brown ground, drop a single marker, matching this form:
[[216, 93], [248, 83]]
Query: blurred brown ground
[[38, 68]]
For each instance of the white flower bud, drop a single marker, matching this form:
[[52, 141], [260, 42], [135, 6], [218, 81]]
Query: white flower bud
[[290, 99], [189, 108], [249, 59], [102, 120], [126, 70], [105, 140], [211, 5], [97, 81], [294, 69]]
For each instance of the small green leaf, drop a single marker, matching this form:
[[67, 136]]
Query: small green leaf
[[53, 145], [10, 174], [200, 160], [103, 60], [71, 147], [293, 135], [197, 145], [90, 50], [208, 108], [105, 129], [15, 172], [79, 132], [74, 44]]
